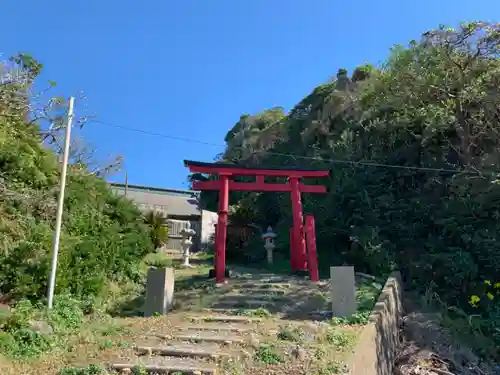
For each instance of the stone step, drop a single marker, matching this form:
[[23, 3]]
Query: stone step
[[236, 311], [261, 289], [262, 279], [182, 350], [242, 304], [204, 336], [263, 286], [226, 318], [237, 297], [240, 328], [169, 366], [264, 295]]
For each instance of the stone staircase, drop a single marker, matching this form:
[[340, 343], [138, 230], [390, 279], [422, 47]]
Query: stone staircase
[[228, 329], [193, 348]]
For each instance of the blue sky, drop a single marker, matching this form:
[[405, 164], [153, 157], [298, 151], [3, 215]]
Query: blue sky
[[190, 68]]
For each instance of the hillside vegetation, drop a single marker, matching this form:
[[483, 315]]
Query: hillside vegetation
[[103, 237], [414, 149]]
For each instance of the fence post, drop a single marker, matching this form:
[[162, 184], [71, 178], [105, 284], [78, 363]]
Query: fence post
[[311, 248]]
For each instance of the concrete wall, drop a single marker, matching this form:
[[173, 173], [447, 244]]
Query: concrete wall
[[379, 341], [208, 221]]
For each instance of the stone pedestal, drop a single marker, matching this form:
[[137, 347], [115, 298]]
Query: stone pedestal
[[269, 253], [159, 291], [343, 291], [186, 243], [269, 237]]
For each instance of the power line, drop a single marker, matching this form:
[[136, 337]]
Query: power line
[[189, 140], [367, 164], [312, 158]]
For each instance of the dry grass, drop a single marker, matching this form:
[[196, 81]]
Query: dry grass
[[291, 348]]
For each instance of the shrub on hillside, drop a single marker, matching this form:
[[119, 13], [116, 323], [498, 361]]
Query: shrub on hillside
[[30, 330]]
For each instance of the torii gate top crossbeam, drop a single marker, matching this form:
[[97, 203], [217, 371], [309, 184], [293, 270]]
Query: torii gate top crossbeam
[[238, 170]]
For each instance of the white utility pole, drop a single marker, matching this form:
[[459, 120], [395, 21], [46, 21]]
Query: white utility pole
[[60, 203]]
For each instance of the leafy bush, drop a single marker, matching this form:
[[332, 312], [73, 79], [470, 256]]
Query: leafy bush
[[487, 301], [19, 337], [157, 223], [66, 314], [24, 343]]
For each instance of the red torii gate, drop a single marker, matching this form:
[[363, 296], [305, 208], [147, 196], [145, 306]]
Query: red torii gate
[[298, 254]]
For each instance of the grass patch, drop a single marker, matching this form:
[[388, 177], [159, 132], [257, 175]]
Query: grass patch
[[268, 354], [159, 260], [193, 278], [89, 370], [333, 367], [289, 333], [367, 293], [340, 339], [36, 341], [355, 319], [30, 331], [205, 256]]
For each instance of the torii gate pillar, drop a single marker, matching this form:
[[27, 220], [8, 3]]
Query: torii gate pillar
[[299, 246], [221, 233]]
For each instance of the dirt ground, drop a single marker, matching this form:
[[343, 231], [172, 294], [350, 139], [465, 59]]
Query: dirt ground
[[430, 349]]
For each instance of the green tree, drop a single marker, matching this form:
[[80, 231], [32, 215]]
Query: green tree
[[157, 223], [103, 236]]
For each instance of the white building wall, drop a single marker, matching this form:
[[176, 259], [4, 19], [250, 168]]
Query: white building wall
[[208, 221]]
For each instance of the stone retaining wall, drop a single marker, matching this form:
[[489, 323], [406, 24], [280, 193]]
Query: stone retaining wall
[[378, 343]]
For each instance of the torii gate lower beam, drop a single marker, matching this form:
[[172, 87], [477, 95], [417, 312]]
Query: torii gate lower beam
[[224, 184]]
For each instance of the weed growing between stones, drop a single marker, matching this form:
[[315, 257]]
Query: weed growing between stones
[[360, 318], [268, 355], [332, 368], [89, 370], [341, 340], [289, 333], [231, 366], [139, 370]]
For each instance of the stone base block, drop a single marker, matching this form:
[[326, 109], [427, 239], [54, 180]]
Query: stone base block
[[343, 291], [159, 291]]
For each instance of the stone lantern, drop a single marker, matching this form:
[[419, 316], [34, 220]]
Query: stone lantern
[[187, 233], [269, 237]]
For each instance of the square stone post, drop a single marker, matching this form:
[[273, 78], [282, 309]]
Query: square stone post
[[159, 291], [343, 291]]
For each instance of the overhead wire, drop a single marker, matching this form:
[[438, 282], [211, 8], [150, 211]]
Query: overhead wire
[[312, 158], [189, 140]]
